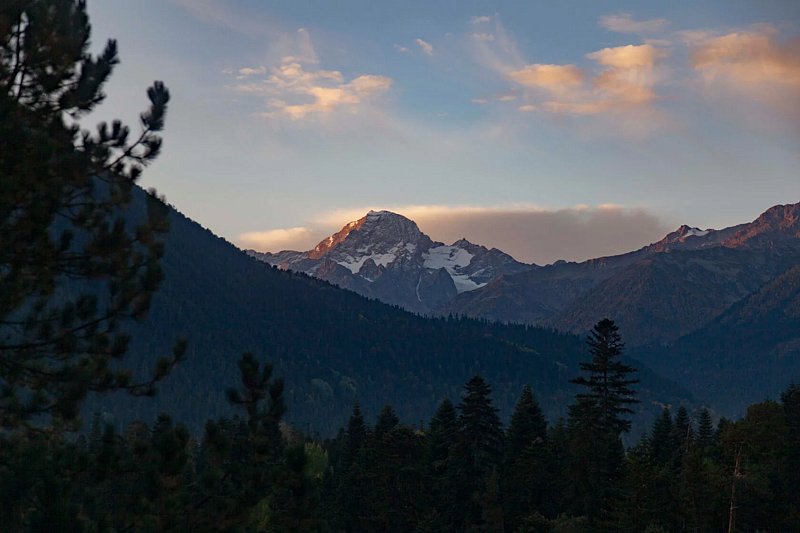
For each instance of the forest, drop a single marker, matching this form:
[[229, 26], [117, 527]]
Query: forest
[[463, 470], [81, 258]]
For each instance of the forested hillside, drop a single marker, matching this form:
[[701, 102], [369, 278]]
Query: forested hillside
[[750, 352], [332, 346]]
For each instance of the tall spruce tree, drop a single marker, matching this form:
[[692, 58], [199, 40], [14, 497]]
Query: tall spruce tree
[[477, 452], [527, 424], [63, 196], [705, 430], [608, 380], [528, 469], [596, 455], [442, 437]]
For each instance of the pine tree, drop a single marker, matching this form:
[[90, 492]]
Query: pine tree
[[682, 436], [790, 401], [528, 468], [63, 198], [442, 437], [608, 381], [387, 421], [705, 430], [596, 454], [661, 445], [527, 424], [352, 490], [477, 451]]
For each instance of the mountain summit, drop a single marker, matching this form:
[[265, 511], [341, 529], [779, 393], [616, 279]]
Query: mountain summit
[[384, 255]]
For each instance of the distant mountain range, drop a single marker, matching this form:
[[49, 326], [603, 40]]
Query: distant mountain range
[[713, 309], [656, 294]]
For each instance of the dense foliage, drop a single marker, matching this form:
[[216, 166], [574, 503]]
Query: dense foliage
[[463, 471]]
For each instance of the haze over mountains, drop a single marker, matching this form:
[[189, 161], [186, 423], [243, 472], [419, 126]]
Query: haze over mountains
[[658, 293], [385, 256]]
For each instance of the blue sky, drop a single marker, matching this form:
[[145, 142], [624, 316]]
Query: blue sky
[[595, 126]]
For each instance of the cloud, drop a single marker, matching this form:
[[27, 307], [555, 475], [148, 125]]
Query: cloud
[[553, 78], [625, 83], [294, 92], [245, 72], [625, 23], [529, 233], [752, 64], [748, 57], [483, 36], [483, 19], [401, 49], [298, 238], [426, 47]]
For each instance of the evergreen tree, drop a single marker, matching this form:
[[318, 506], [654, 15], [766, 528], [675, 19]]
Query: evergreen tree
[[387, 421], [63, 197], [705, 430], [477, 452], [528, 468], [596, 454], [352, 489], [527, 424], [682, 436], [442, 437], [790, 401], [661, 445], [608, 380]]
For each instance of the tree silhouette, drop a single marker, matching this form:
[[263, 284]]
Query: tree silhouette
[[609, 394], [74, 261]]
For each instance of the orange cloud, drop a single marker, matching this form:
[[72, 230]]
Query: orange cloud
[[298, 238], [294, 92], [554, 78], [753, 64], [753, 58], [626, 82]]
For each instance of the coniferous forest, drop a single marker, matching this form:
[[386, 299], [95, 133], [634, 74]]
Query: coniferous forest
[[82, 252]]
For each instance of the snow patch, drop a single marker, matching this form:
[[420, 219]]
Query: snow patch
[[452, 259], [696, 232], [448, 257]]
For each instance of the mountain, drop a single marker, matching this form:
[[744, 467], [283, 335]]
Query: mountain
[[333, 346], [748, 353], [385, 256], [657, 293]]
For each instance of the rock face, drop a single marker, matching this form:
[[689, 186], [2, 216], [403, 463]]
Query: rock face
[[385, 256]]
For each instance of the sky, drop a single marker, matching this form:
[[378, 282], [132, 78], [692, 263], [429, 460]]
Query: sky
[[551, 130]]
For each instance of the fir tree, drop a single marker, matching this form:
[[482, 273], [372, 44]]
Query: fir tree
[[528, 468], [682, 436], [609, 394], [527, 424], [477, 451], [705, 430], [442, 437], [661, 445], [387, 421]]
